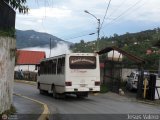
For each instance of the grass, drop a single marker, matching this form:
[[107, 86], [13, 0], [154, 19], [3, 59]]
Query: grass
[[104, 88], [7, 32], [11, 111]]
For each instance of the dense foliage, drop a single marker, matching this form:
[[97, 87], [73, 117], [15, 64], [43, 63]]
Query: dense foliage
[[18, 4], [134, 43]]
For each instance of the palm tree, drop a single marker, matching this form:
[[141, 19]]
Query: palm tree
[[18, 4]]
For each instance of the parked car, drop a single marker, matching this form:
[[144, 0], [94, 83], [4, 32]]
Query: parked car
[[132, 81]]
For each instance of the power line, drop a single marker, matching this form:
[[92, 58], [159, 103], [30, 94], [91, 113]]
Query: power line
[[80, 36], [115, 10], [105, 13], [124, 12]]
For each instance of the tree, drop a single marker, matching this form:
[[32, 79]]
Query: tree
[[18, 4]]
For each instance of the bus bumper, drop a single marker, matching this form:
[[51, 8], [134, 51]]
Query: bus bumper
[[81, 89]]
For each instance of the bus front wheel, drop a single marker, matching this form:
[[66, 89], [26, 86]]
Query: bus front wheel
[[40, 90]]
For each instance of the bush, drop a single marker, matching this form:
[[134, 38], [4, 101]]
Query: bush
[[11, 111], [104, 88], [7, 32]]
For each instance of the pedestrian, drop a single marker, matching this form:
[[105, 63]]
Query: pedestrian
[[21, 74]]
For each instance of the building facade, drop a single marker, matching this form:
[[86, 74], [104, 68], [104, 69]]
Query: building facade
[[26, 63]]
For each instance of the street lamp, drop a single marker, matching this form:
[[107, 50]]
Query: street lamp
[[98, 29]]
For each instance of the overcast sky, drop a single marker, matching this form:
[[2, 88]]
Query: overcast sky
[[66, 19]]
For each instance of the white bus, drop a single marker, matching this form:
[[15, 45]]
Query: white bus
[[75, 73]]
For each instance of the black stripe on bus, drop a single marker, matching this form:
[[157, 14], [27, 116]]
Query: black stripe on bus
[[55, 85]]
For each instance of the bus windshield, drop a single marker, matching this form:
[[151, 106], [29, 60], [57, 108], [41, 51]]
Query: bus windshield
[[82, 62]]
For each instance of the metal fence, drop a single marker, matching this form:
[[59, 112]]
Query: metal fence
[[113, 75], [27, 75], [7, 16]]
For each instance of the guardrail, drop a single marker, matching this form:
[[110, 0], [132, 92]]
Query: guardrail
[[7, 16]]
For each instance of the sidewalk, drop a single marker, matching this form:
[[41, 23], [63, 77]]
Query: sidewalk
[[128, 98], [26, 82], [26, 109]]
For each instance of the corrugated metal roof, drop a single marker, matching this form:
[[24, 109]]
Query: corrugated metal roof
[[130, 56], [29, 57]]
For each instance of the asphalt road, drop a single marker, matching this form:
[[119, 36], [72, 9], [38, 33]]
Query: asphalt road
[[99, 107], [22, 110]]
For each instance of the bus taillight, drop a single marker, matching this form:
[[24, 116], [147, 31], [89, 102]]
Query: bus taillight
[[68, 83], [97, 83]]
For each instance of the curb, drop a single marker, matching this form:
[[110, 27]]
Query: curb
[[26, 82], [95, 94], [147, 102], [45, 114]]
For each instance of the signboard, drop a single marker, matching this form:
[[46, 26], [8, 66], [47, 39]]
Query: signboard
[[82, 62]]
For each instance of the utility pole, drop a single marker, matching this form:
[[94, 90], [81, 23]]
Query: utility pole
[[98, 29], [50, 45]]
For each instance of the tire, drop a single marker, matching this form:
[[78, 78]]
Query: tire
[[40, 90]]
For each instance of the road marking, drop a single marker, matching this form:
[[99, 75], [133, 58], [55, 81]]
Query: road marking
[[45, 114]]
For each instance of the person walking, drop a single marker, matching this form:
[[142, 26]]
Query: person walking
[[21, 74]]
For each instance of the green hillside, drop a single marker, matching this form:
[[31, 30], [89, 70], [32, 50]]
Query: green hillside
[[31, 38], [134, 43]]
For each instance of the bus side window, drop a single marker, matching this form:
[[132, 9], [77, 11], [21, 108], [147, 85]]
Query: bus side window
[[60, 66], [42, 68], [50, 67], [54, 62], [63, 65], [45, 68]]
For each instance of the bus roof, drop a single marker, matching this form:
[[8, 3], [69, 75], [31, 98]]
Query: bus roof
[[70, 54]]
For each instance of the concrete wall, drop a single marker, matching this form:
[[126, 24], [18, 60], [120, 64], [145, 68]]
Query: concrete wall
[[30, 68], [7, 61]]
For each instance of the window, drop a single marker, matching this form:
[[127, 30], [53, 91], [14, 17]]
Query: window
[[60, 65], [45, 68], [49, 67], [54, 66], [82, 62], [42, 68], [132, 75]]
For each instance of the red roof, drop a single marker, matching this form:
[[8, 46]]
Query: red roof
[[29, 57]]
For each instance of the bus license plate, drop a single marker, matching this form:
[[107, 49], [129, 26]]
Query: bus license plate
[[82, 85]]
